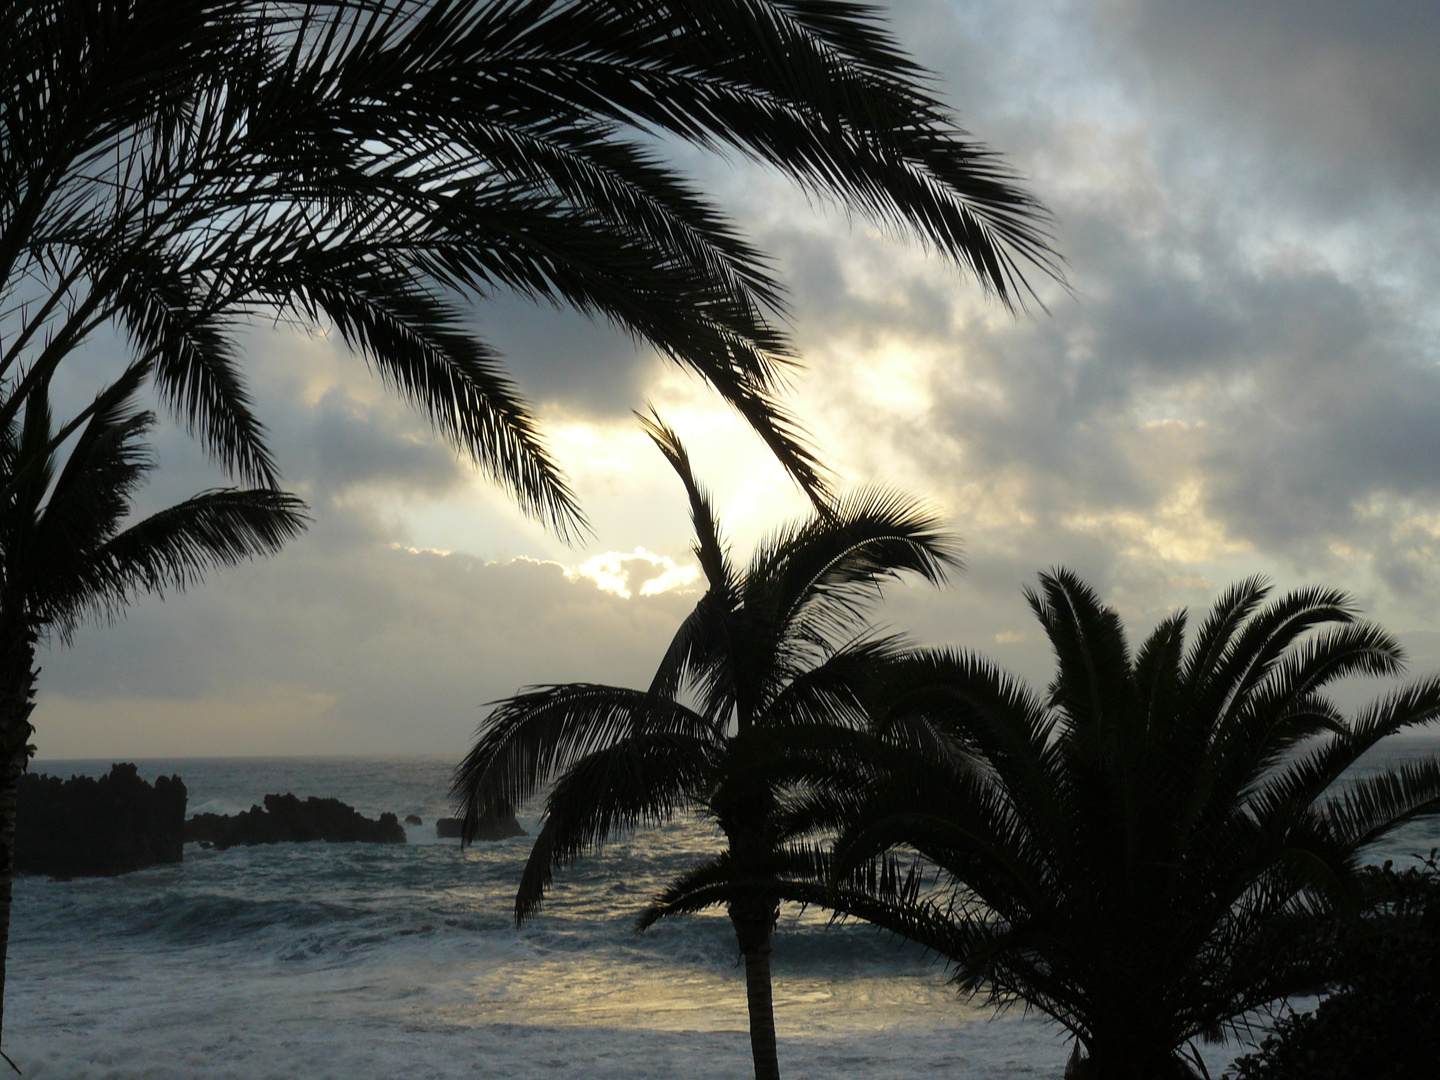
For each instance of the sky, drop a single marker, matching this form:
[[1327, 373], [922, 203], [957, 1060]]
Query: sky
[[1244, 378]]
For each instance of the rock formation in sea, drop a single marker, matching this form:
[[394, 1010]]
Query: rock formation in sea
[[413, 819], [496, 828], [84, 827], [286, 819]]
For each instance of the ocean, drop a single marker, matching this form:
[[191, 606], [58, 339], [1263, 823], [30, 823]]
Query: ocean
[[351, 961]]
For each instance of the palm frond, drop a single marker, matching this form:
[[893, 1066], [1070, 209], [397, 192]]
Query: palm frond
[[813, 581], [1093, 683], [68, 552], [536, 735], [1290, 791], [892, 894], [194, 360], [840, 690], [184, 172], [1266, 637], [708, 884], [1157, 673], [820, 92], [1164, 836], [1227, 615], [172, 549], [418, 346], [710, 548], [1371, 808], [945, 699], [644, 779]]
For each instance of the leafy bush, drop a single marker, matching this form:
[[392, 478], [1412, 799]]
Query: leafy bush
[[1382, 1020]]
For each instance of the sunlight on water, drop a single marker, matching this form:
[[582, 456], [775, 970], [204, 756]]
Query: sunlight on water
[[648, 993]]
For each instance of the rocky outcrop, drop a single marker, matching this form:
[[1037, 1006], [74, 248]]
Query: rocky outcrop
[[84, 827], [413, 819], [285, 819], [496, 828]]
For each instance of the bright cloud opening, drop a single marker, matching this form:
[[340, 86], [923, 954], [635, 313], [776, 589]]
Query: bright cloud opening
[[644, 571]]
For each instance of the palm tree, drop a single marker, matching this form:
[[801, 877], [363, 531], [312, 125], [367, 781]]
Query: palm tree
[[65, 557], [172, 170], [759, 688], [1149, 851]]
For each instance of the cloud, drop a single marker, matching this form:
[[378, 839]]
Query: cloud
[[367, 649], [1237, 382], [561, 358], [639, 571], [1187, 408], [1349, 88]]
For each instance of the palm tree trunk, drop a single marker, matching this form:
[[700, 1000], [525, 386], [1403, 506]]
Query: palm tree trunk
[[762, 1014], [754, 922], [17, 702], [1130, 1058]]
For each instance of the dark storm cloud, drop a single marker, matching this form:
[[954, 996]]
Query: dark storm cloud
[[834, 310], [559, 355], [1351, 86], [1231, 329], [1310, 405], [1302, 460], [356, 443]]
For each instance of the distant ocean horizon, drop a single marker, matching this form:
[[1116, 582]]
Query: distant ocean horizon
[[360, 960]]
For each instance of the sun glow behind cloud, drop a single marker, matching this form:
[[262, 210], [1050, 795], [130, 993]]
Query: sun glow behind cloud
[[619, 573], [623, 574], [1177, 529]]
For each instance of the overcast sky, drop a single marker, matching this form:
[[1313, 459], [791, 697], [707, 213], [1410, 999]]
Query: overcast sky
[[1244, 381]]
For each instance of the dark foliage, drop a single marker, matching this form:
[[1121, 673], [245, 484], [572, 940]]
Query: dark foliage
[[1381, 1019], [1152, 849], [175, 170], [87, 827], [67, 551]]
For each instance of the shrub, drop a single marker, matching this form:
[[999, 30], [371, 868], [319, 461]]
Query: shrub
[[1382, 1019]]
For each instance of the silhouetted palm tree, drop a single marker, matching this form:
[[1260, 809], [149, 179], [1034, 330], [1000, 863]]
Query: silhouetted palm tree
[[172, 169], [1146, 852], [66, 556], [759, 689]]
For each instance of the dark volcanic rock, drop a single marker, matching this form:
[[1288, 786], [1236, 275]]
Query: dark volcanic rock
[[413, 819], [83, 827], [287, 819], [497, 828]]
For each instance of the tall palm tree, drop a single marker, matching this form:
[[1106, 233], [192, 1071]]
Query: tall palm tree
[[171, 170], [1147, 852], [67, 556], [760, 686]]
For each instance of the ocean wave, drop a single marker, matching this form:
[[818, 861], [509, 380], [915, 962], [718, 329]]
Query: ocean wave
[[353, 960]]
